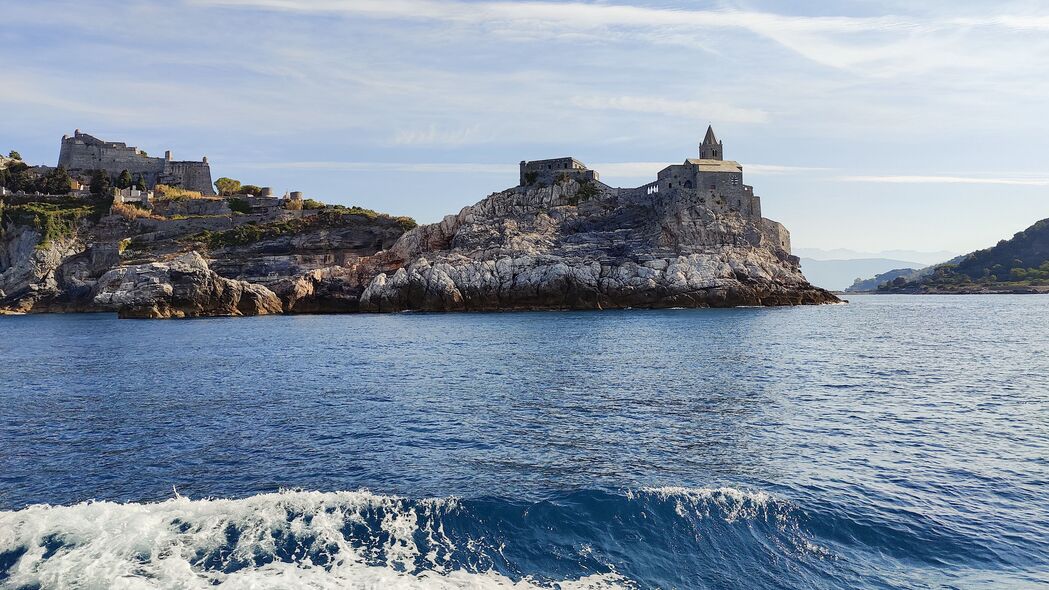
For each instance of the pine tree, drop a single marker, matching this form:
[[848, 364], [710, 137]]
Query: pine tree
[[124, 180], [100, 183], [55, 182]]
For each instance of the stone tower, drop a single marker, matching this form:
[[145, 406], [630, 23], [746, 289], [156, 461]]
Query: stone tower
[[711, 148]]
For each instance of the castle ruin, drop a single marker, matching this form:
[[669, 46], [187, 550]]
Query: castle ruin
[[82, 153], [717, 182]]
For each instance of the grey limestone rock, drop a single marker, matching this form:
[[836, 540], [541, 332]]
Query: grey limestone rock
[[182, 287], [548, 248]]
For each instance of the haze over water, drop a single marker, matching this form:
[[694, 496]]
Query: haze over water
[[895, 442]]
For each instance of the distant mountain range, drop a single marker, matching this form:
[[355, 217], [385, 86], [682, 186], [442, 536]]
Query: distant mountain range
[[837, 275], [920, 258]]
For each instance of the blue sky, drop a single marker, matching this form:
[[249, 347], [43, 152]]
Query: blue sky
[[863, 125]]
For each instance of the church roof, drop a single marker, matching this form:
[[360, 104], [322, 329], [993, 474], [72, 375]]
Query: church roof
[[710, 138], [715, 165]]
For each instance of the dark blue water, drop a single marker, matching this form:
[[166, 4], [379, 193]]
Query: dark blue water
[[896, 442]]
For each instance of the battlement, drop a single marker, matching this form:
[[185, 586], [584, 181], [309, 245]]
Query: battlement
[[82, 152]]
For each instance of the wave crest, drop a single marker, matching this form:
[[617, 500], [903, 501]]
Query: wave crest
[[358, 539], [288, 539]]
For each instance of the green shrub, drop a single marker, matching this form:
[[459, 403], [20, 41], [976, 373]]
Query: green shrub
[[53, 221], [587, 190], [334, 217], [238, 205]]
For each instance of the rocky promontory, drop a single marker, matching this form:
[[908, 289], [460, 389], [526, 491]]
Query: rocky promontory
[[588, 246], [564, 246], [560, 239]]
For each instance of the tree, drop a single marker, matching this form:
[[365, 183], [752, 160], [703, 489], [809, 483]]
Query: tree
[[55, 182], [20, 177], [251, 189], [140, 183], [124, 180], [15, 155], [227, 186], [100, 183]]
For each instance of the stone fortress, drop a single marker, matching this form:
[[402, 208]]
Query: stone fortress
[[81, 153], [718, 183]]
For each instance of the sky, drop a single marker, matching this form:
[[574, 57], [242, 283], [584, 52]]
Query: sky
[[863, 125]]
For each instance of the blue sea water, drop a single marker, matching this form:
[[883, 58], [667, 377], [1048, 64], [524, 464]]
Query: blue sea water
[[895, 442]]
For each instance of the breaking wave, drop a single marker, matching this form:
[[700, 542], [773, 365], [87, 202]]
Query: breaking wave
[[302, 539], [667, 537]]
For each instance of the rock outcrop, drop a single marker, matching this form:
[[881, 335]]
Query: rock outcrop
[[181, 288], [548, 248], [30, 271]]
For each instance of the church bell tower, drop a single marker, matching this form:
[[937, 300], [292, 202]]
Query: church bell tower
[[711, 148]]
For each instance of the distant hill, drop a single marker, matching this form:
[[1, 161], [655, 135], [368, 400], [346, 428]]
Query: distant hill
[[871, 284], [907, 274], [1019, 264], [920, 257], [837, 275]]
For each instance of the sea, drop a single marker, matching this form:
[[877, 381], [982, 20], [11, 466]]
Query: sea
[[893, 442]]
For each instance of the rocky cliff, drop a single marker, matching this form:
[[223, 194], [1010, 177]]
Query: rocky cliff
[[561, 246], [589, 246]]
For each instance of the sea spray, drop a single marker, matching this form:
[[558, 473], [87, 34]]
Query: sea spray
[[352, 539]]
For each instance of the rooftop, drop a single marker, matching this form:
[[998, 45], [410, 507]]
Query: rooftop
[[715, 165]]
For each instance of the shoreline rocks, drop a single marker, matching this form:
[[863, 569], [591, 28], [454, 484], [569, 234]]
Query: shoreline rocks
[[182, 288], [557, 247]]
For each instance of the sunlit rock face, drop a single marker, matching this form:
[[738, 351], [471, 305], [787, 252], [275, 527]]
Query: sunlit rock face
[[589, 246]]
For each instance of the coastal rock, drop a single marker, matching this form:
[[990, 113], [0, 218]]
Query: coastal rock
[[182, 287], [546, 248], [30, 270]]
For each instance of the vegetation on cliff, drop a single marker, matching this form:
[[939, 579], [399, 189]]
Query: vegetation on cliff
[[20, 177], [1018, 263], [335, 216], [54, 220], [174, 193]]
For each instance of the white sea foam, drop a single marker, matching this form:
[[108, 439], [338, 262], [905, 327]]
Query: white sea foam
[[731, 503], [161, 545]]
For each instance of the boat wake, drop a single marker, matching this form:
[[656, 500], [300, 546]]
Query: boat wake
[[648, 538]]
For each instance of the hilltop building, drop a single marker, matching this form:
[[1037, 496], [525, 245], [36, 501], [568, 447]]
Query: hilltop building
[[82, 153], [717, 182]]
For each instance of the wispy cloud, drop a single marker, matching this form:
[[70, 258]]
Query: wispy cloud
[[927, 179], [886, 43], [772, 169], [432, 135], [410, 167], [689, 109]]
